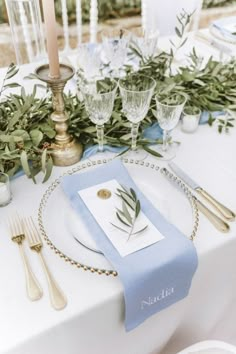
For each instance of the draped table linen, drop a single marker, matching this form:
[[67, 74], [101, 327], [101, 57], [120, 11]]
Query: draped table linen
[[93, 321]]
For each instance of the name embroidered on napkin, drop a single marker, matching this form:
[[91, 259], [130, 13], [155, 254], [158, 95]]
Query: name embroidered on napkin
[[104, 212], [153, 300]]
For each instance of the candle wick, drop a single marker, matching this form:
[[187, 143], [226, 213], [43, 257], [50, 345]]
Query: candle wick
[[54, 76]]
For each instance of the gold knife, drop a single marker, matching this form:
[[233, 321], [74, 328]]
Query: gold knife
[[223, 210], [216, 221], [219, 224]]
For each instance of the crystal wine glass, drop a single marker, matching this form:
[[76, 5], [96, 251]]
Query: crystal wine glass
[[169, 109], [144, 42], [136, 92], [89, 60], [115, 46], [99, 99]]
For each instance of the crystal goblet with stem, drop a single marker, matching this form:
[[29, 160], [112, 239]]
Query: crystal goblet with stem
[[99, 99], [88, 65], [144, 41], [136, 92], [89, 60], [169, 109], [115, 44]]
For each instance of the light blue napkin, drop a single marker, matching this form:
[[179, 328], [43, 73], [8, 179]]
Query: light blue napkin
[[226, 27], [153, 132], [206, 114], [154, 277]]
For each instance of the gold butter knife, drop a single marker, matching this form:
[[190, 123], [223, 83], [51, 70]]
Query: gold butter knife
[[223, 210], [219, 224], [215, 220]]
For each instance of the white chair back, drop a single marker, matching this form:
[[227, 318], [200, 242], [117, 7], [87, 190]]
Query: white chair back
[[93, 22]]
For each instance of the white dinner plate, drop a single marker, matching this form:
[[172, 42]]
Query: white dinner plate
[[59, 229], [77, 227]]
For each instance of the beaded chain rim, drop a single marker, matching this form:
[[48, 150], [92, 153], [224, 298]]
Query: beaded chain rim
[[82, 166]]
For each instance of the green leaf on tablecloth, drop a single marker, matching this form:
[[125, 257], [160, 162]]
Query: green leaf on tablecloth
[[177, 31], [49, 167], [25, 165], [47, 130], [11, 85], [21, 134], [31, 76], [12, 144], [152, 152], [36, 136], [183, 43], [11, 71], [44, 160]]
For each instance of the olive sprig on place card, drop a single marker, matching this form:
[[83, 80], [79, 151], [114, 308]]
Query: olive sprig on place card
[[130, 211]]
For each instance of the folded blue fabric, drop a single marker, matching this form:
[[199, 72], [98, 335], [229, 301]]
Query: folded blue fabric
[[226, 27], [206, 114], [154, 277], [152, 132]]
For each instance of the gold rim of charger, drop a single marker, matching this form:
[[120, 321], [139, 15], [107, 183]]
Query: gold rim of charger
[[88, 164]]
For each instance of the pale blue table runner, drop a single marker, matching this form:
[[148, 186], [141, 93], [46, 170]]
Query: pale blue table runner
[[154, 277]]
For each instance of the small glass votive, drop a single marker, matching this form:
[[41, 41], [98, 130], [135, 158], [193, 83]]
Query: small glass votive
[[5, 191], [190, 119]]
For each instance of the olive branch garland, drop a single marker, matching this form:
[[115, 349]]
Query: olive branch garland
[[26, 130], [130, 211]]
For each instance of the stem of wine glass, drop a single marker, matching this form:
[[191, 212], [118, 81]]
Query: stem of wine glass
[[115, 72], [100, 135], [165, 140], [134, 135]]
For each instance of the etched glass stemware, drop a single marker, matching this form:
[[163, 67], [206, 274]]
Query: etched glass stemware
[[89, 61], [99, 99], [115, 46], [136, 92], [144, 42], [169, 109]]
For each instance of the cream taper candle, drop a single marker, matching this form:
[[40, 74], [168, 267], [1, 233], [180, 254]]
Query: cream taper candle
[[51, 37]]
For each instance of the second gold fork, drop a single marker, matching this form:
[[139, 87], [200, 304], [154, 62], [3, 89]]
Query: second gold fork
[[57, 298]]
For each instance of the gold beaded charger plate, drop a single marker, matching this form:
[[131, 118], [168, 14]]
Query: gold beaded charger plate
[[166, 192]]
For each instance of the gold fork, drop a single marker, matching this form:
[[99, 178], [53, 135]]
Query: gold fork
[[33, 288], [57, 298]]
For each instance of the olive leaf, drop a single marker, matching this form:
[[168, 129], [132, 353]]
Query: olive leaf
[[36, 136], [48, 169], [26, 167], [130, 211]]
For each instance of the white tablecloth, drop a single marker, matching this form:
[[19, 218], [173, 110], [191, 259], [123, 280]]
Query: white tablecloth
[[93, 321]]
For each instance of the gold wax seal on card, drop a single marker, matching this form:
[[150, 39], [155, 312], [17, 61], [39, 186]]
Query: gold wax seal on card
[[104, 193]]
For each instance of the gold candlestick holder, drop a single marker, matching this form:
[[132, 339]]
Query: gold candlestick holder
[[66, 150]]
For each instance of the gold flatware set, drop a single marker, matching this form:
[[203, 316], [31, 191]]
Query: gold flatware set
[[21, 229], [220, 222]]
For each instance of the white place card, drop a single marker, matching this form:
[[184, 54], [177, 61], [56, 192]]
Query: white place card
[[104, 212]]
